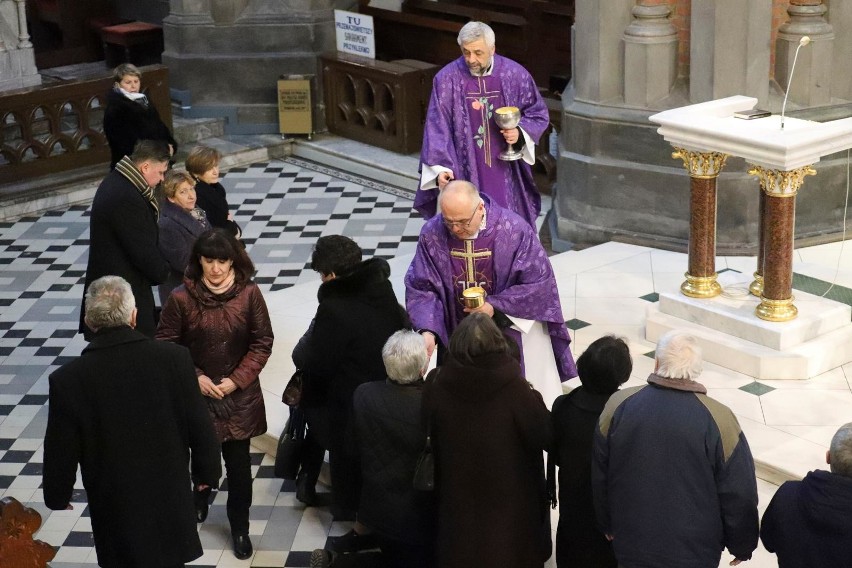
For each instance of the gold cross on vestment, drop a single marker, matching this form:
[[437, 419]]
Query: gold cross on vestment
[[482, 137], [469, 256]]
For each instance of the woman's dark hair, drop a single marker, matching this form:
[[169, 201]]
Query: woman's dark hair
[[221, 245], [335, 253], [475, 336], [605, 365]]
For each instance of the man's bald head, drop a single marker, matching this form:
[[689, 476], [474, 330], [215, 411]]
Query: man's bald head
[[462, 208], [458, 193]]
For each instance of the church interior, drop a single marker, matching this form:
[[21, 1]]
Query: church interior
[[615, 204]]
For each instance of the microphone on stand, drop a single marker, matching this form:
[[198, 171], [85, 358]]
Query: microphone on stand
[[802, 42]]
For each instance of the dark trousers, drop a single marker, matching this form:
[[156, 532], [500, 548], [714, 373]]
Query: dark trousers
[[398, 554], [238, 471]]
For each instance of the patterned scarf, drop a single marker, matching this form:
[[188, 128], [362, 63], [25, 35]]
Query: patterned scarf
[[128, 169]]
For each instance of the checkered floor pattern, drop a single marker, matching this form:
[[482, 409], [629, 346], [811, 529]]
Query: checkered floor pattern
[[283, 207]]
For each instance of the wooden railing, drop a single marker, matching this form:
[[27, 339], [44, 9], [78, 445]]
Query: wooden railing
[[17, 547], [377, 102], [55, 128]]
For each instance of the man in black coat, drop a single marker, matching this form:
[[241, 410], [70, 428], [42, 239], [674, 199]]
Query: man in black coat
[[123, 232], [809, 522], [129, 412]]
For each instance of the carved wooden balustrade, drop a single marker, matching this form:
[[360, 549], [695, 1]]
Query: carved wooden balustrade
[[377, 102], [51, 129], [17, 547]]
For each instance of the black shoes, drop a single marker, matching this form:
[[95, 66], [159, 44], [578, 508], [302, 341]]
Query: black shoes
[[202, 504], [322, 558], [305, 491], [353, 542], [242, 546]]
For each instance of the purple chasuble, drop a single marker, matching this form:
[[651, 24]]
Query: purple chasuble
[[506, 259], [460, 134]]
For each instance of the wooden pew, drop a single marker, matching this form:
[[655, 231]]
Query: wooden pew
[[535, 33]]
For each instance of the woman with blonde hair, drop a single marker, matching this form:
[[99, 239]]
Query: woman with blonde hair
[[181, 222]]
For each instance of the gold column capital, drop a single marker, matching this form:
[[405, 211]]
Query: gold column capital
[[781, 183], [702, 165]]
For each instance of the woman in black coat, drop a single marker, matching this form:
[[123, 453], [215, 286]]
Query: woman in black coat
[[357, 312], [203, 165], [129, 116], [603, 367], [181, 222], [489, 431]]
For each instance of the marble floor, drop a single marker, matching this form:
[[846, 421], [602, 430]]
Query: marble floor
[[283, 207]]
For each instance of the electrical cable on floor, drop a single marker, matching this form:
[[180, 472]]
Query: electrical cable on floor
[[843, 239]]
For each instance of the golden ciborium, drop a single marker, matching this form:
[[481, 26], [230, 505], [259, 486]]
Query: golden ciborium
[[508, 118], [473, 297]]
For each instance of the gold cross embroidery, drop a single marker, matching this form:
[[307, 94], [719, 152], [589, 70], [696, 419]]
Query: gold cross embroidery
[[469, 256], [484, 114]]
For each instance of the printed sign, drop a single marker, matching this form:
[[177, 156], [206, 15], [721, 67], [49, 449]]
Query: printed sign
[[355, 33], [294, 106]]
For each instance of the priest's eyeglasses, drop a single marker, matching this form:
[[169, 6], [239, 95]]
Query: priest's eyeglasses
[[461, 224]]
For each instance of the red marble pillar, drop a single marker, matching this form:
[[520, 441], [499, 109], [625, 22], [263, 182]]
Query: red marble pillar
[[756, 287], [780, 187], [703, 168]]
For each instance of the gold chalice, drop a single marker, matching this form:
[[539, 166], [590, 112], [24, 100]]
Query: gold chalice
[[507, 118], [473, 297]]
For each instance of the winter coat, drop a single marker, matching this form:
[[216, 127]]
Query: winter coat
[[212, 198], [389, 436], [808, 523], [178, 231], [228, 335], [489, 431], [579, 542], [129, 412], [123, 241], [357, 313], [673, 478], [126, 122]]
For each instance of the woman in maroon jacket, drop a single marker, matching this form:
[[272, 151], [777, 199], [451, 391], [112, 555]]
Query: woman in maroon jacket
[[220, 315]]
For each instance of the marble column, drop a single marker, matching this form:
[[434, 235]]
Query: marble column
[[780, 187], [704, 169], [839, 16], [597, 33], [650, 55], [756, 287], [812, 84], [730, 49]]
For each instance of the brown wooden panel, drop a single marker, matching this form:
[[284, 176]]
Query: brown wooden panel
[[50, 129]]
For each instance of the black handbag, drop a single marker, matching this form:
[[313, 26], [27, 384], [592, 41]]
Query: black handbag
[[424, 473], [292, 394], [289, 454]]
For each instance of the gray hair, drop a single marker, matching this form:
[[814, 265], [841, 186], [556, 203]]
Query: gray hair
[[405, 356], [109, 302], [460, 186], [840, 451], [473, 31], [678, 356]]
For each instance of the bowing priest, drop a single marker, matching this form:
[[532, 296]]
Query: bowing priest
[[476, 243], [461, 139]]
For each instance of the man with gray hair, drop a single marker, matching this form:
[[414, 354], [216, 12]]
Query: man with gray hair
[[390, 438], [462, 141], [809, 522], [672, 474], [128, 411]]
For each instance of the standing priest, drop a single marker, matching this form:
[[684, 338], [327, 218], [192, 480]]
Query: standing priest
[[461, 139], [475, 242]]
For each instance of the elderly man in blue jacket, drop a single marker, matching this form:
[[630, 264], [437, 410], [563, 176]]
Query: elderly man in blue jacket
[[672, 474], [809, 522]]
